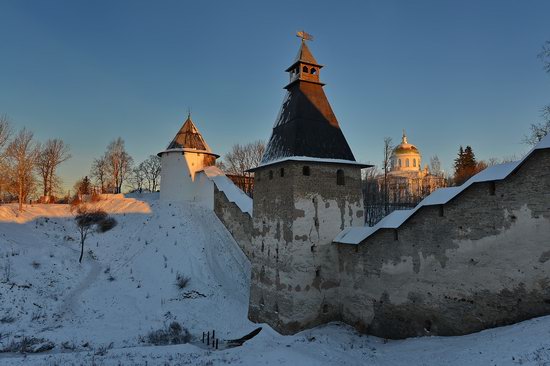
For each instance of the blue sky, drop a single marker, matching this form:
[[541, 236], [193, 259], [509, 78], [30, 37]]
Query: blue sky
[[449, 72]]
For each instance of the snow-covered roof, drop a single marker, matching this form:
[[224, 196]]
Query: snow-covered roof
[[231, 191], [312, 160], [355, 235]]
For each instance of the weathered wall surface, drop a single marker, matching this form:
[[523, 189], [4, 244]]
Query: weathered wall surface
[[479, 261], [238, 223], [296, 217]]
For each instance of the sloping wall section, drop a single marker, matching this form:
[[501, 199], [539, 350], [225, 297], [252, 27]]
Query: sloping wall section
[[462, 261], [233, 207]]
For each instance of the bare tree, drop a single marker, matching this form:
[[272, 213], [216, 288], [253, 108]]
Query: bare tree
[[244, 157], [541, 129], [5, 133], [151, 172], [90, 220], [435, 166], [21, 155], [386, 166], [52, 153], [100, 173], [119, 163], [136, 180], [240, 159], [544, 55]]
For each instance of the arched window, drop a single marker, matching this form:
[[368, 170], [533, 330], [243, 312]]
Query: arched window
[[282, 172], [271, 174], [407, 163], [340, 179], [305, 170], [313, 71], [414, 162], [305, 69], [399, 162]]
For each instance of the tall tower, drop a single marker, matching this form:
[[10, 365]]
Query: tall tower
[[307, 189], [187, 154]]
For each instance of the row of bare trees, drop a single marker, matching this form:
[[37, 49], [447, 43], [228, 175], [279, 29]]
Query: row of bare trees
[[115, 169], [26, 163]]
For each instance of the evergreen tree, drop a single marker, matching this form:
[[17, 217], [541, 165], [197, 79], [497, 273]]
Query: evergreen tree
[[465, 165]]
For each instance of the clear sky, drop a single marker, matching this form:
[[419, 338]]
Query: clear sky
[[449, 72]]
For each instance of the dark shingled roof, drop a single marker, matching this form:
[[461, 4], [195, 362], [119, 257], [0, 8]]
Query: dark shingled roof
[[306, 125], [189, 138]]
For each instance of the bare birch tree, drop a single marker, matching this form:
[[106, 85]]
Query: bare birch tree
[[21, 155], [52, 153], [119, 163]]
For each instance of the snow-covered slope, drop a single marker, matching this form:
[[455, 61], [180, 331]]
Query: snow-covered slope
[[97, 311]]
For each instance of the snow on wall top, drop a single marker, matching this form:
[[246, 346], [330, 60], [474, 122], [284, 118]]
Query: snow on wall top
[[231, 191], [312, 160], [355, 235]]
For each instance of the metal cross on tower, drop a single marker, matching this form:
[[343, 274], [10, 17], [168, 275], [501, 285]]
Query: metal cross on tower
[[304, 36]]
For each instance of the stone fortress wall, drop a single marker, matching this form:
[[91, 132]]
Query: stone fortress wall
[[478, 261]]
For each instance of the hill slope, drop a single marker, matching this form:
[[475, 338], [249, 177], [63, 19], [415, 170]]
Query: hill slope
[[99, 311]]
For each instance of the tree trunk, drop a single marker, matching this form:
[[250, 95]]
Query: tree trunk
[[20, 195], [81, 250]]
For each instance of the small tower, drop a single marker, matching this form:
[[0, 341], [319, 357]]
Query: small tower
[[307, 189], [187, 154]]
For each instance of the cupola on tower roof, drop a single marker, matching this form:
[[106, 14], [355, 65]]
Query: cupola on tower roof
[[306, 125]]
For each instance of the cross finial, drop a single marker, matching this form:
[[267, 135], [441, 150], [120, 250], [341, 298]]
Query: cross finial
[[188, 112], [304, 36]]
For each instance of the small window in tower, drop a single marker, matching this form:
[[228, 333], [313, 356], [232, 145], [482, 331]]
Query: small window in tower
[[340, 179], [325, 308], [305, 170], [441, 211], [282, 172], [407, 163], [317, 272], [414, 162], [395, 234], [271, 174], [305, 69], [313, 71], [399, 162]]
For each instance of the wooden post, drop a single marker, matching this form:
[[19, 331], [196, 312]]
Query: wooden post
[[213, 334], [208, 338], [217, 343], [202, 337]]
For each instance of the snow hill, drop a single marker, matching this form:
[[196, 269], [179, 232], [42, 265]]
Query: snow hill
[[98, 312]]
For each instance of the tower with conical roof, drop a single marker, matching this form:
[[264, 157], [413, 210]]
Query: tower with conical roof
[[186, 154], [307, 189]]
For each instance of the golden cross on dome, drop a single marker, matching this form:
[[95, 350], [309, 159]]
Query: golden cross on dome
[[304, 36]]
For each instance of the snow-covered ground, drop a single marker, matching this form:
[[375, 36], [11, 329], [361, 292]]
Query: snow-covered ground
[[99, 312]]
